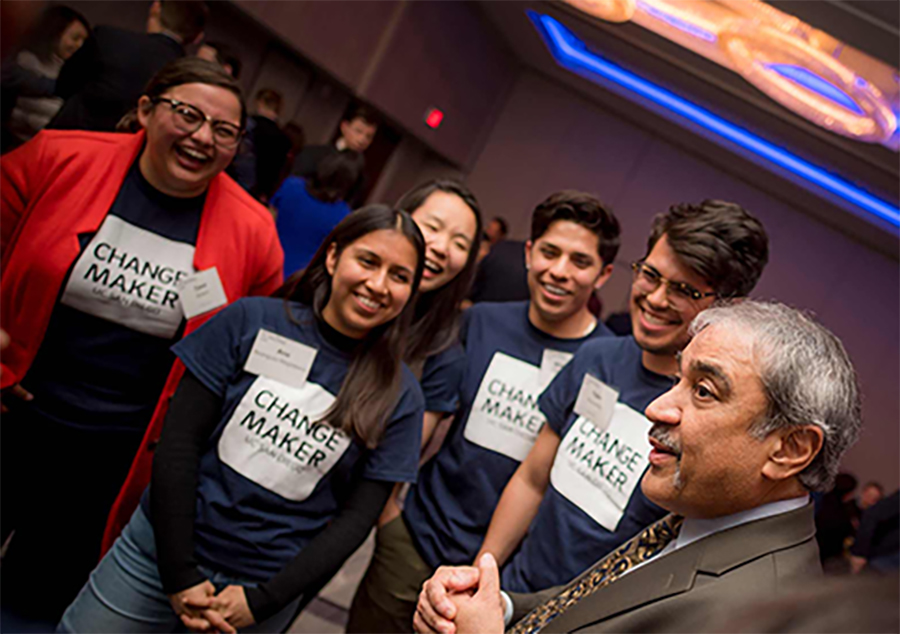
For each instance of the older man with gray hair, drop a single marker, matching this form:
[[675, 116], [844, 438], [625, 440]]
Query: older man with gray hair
[[765, 406]]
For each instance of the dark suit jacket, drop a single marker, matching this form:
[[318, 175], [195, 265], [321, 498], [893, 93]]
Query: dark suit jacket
[[107, 76], [271, 147], [667, 595], [308, 161]]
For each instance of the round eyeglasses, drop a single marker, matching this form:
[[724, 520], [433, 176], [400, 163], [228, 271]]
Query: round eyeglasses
[[647, 279], [190, 118]]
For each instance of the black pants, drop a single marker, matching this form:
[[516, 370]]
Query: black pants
[[57, 484]]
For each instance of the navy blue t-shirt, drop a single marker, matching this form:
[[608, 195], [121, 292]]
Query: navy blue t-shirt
[[441, 380], [596, 473], [449, 510], [106, 353], [271, 477]]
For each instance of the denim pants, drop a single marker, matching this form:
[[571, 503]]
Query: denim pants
[[124, 592]]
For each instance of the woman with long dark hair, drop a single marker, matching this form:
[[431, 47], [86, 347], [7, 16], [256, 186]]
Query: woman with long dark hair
[[450, 219], [293, 422]]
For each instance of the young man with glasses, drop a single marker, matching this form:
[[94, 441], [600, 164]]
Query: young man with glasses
[[576, 496]]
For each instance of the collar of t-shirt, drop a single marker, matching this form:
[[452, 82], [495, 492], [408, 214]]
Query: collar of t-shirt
[[171, 203], [341, 342]]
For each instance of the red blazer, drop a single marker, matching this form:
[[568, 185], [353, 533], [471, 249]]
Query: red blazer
[[62, 184]]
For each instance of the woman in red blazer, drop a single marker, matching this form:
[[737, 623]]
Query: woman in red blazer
[[113, 248]]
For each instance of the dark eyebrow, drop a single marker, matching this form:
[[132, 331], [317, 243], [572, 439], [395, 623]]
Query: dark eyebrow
[[717, 374]]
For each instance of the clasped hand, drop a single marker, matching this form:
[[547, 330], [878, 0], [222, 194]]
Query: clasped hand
[[461, 600], [202, 610]]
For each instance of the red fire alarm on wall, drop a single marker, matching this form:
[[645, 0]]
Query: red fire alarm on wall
[[433, 118]]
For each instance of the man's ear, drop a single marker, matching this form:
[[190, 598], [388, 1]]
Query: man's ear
[[605, 272], [528, 246], [792, 451]]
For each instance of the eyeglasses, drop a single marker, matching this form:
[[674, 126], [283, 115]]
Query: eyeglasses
[[647, 279], [190, 118]]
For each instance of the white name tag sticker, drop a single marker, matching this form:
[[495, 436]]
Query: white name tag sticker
[[280, 358], [596, 401], [504, 416], [272, 438], [130, 276], [597, 470], [552, 362], [202, 292]]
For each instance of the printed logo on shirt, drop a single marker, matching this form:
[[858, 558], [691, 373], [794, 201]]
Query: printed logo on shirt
[[129, 276], [598, 470], [504, 416], [272, 438]]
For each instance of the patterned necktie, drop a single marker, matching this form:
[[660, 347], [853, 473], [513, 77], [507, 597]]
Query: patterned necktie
[[636, 550]]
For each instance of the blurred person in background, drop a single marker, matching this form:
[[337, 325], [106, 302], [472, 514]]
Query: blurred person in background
[[358, 129], [223, 55], [271, 146], [105, 78], [58, 35], [834, 522], [870, 495], [308, 209], [101, 235]]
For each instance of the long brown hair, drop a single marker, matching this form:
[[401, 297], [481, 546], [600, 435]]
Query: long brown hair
[[371, 388], [436, 321]]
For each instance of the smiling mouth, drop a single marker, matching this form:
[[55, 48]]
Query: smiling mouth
[[368, 303], [555, 291], [433, 267], [654, 319], [192, 155]]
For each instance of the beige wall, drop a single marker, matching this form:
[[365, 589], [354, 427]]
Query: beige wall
[[547, 138]]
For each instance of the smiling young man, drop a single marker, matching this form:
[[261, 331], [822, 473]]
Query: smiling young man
[[576, 495], [513, 351]]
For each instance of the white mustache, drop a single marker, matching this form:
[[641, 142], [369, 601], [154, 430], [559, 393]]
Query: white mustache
[[663, 435]]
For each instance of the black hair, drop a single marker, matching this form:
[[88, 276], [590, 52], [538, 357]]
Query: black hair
[[585, 210], [193, 70], [53, 23], [504, 226], [437, 313], [185, 18], [718, 240], [371, 388], [361, 111], [225, 55], [335, 176]]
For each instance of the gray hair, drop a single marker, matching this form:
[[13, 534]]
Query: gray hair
[[806, 374]]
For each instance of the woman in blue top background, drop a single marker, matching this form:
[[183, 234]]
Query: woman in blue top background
[[263, 482], [307, 210]]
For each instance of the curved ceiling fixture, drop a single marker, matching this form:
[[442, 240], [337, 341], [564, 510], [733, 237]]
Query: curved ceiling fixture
[[571, 53], [609, 10], [809, 82], [801, 67]]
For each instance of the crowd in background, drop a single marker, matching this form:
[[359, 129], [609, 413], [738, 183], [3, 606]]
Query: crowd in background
[[165, 242]]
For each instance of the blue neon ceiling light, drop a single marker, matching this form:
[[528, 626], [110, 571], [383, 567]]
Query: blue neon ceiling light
[[571, 53], [809, 80]]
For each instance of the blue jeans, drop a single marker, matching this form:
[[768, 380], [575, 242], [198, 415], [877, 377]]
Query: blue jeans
[[124, 592]]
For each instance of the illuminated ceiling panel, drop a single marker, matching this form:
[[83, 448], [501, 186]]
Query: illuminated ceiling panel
[[571, 53], [804, 69]]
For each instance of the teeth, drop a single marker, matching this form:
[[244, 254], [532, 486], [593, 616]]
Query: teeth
[[556, 290], [431, 266], [200, 156], [656, 321], [368, 303]]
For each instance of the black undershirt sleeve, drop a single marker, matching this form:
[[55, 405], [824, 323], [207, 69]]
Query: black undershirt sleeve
[[325, 554], [190, 421]]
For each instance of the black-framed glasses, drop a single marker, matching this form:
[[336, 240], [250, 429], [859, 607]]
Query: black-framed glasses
[[648, 280], [190, 118]]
